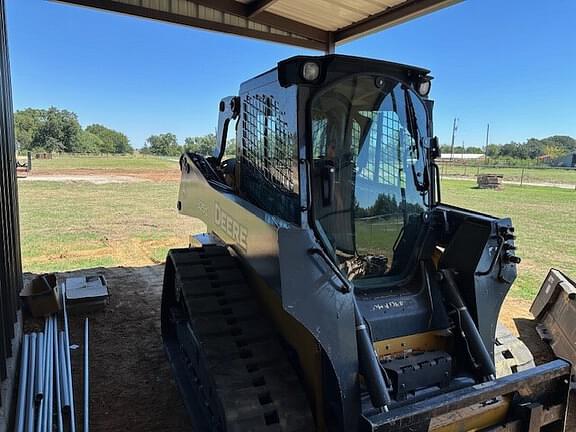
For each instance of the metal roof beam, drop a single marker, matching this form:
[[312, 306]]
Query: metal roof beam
[[258, 6], [266, 18], [391, 17], [251, 19], [196, 22]]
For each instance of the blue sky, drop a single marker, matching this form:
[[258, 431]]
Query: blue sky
[[510, 63]]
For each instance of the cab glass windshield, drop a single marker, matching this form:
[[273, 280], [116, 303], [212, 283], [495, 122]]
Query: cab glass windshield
[[369, 182]]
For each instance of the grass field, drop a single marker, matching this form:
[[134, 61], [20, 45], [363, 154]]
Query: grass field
[[113, 163], [71, 225], [99, 225], [75, 225], [514, 174]]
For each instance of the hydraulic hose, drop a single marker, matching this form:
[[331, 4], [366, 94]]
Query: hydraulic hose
[[481, 357]]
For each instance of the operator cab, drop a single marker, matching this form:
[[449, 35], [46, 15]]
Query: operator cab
[[364, 130]]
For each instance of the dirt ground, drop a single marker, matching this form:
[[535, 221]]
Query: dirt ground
[[95, 179], [528, 183], [112, 174], [132, 388], [515, 315], [131, 384]]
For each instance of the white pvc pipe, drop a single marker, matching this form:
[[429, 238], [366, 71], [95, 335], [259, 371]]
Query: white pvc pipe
[[64, 374], [50, 387], [57, 376], [31, 376], [68, 362], [40, 424], [43, 407], [39, 371]]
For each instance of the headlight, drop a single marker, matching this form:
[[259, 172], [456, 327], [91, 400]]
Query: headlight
[[424, 87], [310, 71]]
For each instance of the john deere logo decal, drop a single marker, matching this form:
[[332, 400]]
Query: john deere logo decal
[[237, 232]]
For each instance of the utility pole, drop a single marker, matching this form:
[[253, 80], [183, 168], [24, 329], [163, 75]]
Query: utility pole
[[454, 129], [486, 145]]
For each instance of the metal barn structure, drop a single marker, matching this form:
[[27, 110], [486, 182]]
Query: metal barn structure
[[10, 265], [566, 161], [313, 24]]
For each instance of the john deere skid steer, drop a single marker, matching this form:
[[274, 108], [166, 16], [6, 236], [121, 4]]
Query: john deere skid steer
[[333, 290]]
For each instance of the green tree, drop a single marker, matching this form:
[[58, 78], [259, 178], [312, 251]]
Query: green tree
[[163, 145], [514, 150], [112, 140], [534, 148], [26, 123], [203, 145], [59, 130], [474, 150], [493, 150], [90, 143], [445, 149], [51, 130], [553, 151], [459, 149], [566, 144], [230, 148]]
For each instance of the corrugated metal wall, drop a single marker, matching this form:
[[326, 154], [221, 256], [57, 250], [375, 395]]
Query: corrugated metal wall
[[10, 261]]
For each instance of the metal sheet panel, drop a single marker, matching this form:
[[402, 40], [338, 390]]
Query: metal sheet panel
[[10, 264], [330, 15], [197, 14], [315, 24]]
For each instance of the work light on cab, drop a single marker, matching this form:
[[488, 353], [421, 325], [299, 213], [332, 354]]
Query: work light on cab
[[310, 71], [424, 87]]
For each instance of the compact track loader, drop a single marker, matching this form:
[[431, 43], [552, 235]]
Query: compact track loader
[[333, 290]]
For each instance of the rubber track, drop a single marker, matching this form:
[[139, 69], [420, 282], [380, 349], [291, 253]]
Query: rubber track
[[238, 359]]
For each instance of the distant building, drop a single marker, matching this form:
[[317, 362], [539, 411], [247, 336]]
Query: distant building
[[460, 156], [566, 161]]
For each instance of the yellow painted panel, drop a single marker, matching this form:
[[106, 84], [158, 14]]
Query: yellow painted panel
[[429, 341], [473, 418]]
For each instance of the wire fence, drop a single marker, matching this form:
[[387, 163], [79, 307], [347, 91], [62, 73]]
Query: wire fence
[[55, 155], [522, 175], [512, 171], [23, 156]]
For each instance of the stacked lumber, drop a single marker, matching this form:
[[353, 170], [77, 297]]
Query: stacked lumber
[[489, 181]]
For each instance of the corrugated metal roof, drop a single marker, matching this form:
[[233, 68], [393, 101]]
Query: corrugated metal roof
[[316, 24]]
